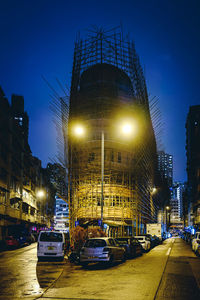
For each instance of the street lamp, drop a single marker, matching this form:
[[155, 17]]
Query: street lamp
[[167, 208], [40, 195], [78, 130], [154, 190]]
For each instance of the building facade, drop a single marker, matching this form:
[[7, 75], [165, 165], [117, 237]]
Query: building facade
[[193, 164], [176, 204], [111, 175], [61, 217], [165, 166], [21, 174]]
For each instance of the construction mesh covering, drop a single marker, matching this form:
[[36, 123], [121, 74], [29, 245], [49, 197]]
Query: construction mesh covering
[[108, 87]]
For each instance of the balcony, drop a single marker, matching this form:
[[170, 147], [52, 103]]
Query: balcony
[[14, 194], [13, 212]]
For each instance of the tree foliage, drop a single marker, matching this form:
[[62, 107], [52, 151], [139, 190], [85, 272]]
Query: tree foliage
[[79, 235]]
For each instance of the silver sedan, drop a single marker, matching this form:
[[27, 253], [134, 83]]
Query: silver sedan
[[102, 249]]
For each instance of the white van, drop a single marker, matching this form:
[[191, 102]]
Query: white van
[[51, 244]]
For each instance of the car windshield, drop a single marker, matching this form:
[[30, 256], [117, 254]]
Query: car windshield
[[95, 243], [51, 237]]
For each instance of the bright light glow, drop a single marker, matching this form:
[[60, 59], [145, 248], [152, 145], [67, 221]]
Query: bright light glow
[[154, 190], [129, 128], [126, 128], [167, 207], [78, 130], [40, 193]]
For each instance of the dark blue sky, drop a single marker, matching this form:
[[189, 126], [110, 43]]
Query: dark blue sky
[[37, 38]]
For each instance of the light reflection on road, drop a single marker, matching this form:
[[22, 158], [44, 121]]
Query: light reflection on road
[[22, 275]]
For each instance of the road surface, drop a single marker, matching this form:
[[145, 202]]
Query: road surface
[[169, 271]]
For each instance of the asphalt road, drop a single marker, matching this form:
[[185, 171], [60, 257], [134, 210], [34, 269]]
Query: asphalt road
[[169, 271]]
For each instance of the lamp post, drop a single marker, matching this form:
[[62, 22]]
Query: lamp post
[[126, 129], [40, 195], [79, 131], [167, 208], [102, 174]]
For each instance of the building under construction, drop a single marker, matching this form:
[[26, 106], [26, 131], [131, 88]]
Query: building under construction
[[111, 175]]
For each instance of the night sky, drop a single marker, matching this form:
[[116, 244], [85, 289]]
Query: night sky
[[37, 38]]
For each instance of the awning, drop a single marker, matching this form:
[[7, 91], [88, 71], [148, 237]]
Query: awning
[[116, 223]]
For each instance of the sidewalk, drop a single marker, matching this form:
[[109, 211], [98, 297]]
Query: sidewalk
[[181, 278]]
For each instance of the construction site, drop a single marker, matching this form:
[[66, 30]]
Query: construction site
[[111, 174]]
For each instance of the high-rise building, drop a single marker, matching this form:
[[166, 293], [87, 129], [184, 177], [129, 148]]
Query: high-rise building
[[20, 116], [176, 203], [193, 164], [111, 174], [165, 166], [61, 217]]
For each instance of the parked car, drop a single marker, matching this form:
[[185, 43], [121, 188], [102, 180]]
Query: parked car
[[51, 244], [131, 245], [196, 241], [157, 240], [22, 240], [198, 251], [12, 241], [16, 240], [152, 240], [102, 249], [144, 241]]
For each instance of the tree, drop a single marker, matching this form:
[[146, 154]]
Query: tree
[[79, 235]]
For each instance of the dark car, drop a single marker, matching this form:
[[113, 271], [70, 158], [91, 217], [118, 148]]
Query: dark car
[[22, 240], [12, 241], [131, 245], [152, 240], [157, 241]]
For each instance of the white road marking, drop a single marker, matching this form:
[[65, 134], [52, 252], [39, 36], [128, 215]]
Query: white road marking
[[168, 251]]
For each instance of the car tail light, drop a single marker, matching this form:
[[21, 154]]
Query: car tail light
[[106, 249]]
